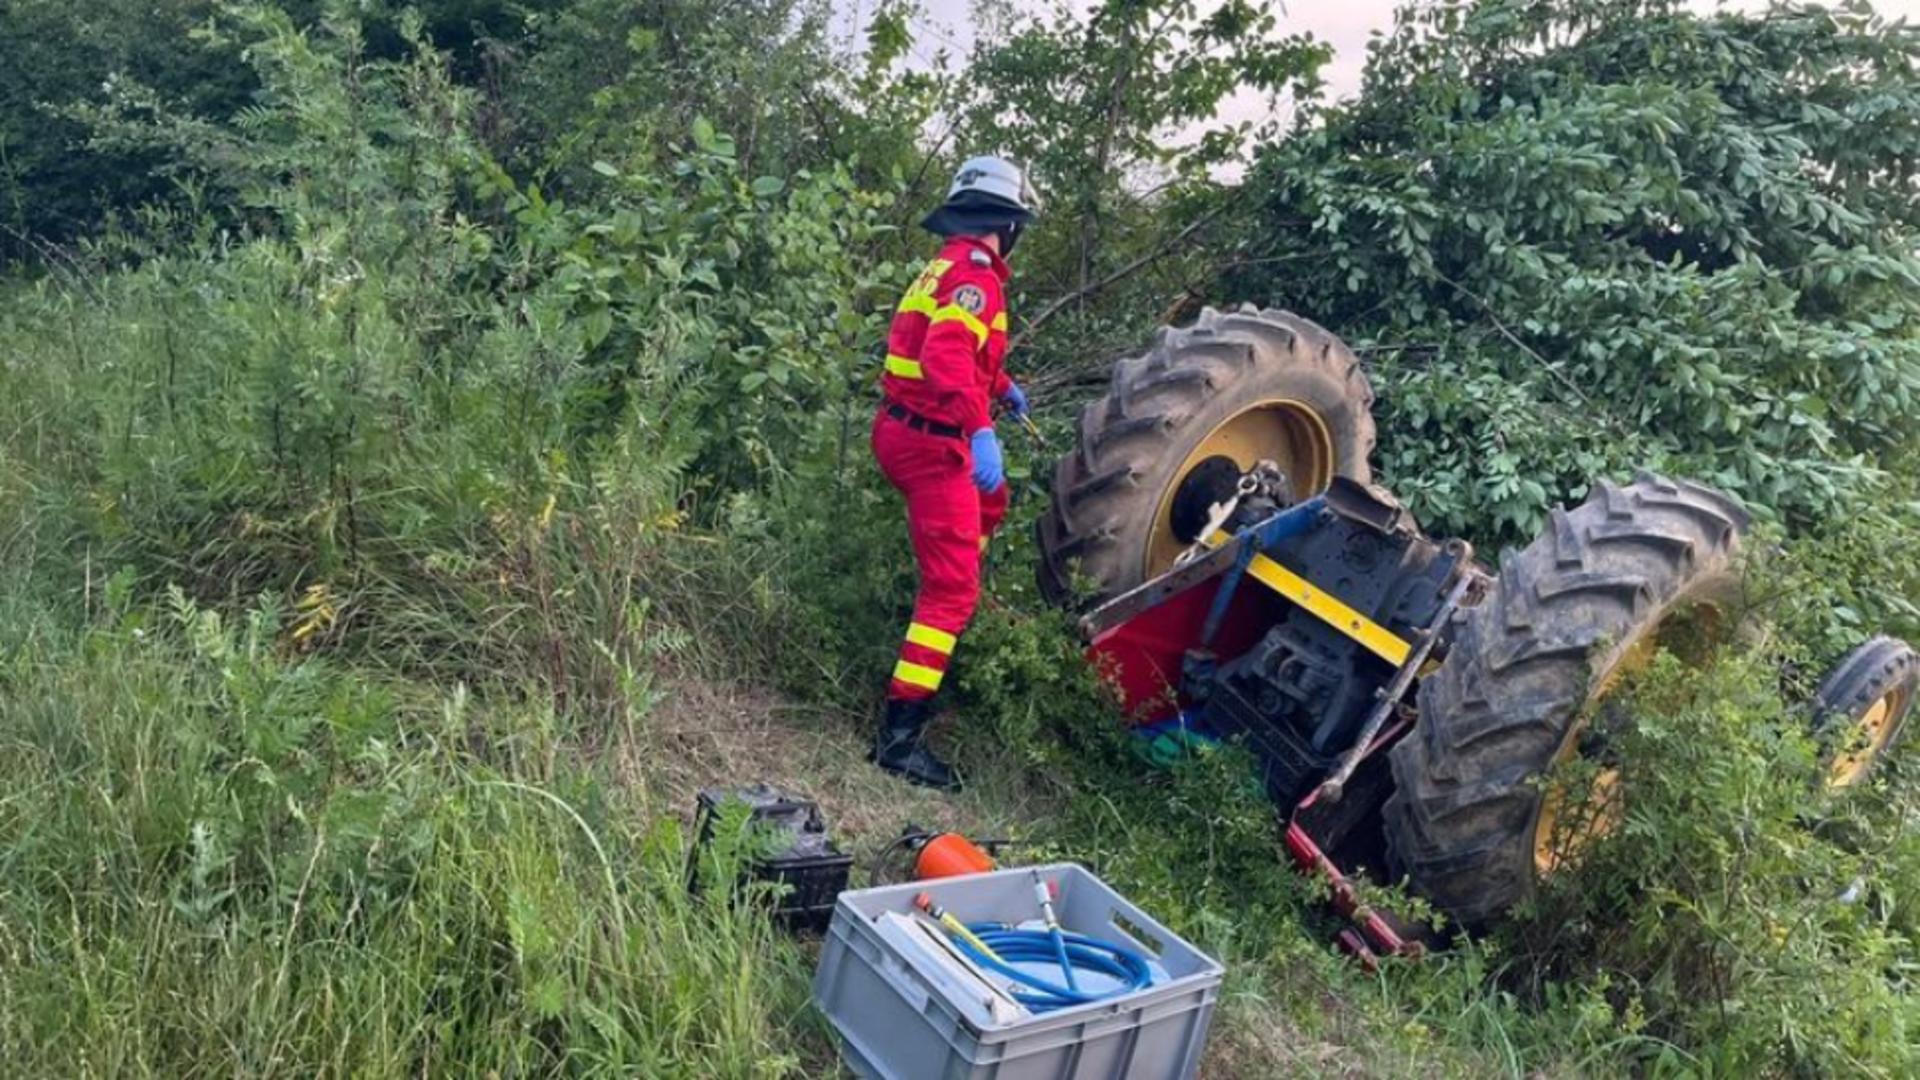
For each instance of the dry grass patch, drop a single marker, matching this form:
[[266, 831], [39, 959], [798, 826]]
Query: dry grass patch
[[706, 733]]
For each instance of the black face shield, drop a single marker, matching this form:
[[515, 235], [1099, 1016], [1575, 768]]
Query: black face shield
[[1009, 235]]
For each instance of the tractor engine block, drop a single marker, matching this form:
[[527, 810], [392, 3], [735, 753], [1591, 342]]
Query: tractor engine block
[[1301, 694]]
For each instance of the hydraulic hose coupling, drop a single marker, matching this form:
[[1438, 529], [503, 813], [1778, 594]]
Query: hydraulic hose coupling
[[924, 901], [1043, 893]]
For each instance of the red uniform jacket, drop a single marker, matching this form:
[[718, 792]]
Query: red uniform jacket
[[949, 336]]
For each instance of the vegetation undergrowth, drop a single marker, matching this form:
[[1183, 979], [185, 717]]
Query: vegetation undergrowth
[[221, 859]]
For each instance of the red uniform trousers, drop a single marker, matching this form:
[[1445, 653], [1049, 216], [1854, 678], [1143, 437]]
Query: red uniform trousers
[[950, 521]]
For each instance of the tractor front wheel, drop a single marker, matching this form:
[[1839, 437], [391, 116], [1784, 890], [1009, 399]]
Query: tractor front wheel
[[1862, 707]]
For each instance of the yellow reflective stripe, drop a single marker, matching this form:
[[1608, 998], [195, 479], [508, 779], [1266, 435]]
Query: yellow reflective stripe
[[905, 368], [918, 675], [931, 637], [956, 313], [1377, 639], [924, 304]]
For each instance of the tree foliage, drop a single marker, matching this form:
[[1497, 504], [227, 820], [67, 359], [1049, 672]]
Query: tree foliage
[[1117, 111], [54, 55], [59, 184], [1578, 236], [601, 78], [1101, 105]]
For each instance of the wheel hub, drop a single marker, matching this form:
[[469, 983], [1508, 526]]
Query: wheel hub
[[1572, 823], [1288, 433], [1212, 482]]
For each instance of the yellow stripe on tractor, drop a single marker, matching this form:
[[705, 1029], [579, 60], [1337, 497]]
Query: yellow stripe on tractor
[[1327, 608], [919, 675]]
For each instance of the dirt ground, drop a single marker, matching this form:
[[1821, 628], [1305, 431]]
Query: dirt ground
[[708, 734]]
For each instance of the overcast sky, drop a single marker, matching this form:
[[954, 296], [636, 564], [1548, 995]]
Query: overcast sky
[[1343, 24]]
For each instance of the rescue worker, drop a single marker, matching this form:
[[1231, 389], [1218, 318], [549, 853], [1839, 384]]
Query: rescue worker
[[933, 435]]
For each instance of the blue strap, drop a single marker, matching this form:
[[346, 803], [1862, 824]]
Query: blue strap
[[1263, 537]]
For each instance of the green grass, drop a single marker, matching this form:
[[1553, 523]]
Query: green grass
[[221, 859], [221, 854], [221, 862]]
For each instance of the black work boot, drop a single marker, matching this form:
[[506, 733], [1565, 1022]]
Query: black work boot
[[898, 749]]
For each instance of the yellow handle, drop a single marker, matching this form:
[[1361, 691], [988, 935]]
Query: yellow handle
[[1033, 429], [955, 926]]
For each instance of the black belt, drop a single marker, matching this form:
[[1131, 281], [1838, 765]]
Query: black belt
[[920, 423]]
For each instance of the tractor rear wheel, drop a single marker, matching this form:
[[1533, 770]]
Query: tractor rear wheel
[[1474, 821], [1242, 386]]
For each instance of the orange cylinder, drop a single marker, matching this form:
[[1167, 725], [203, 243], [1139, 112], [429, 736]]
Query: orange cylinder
[[950, 855]]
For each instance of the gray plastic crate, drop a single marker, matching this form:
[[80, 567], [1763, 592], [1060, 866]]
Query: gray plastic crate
[[900, 1017]]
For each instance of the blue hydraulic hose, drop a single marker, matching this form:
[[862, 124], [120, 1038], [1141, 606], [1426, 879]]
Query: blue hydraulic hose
[[1060, 951], [1070, 951]]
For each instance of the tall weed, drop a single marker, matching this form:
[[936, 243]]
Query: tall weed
[[223, 859]]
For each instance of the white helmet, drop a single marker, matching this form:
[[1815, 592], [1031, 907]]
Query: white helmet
[[997, 178], [989, 195]]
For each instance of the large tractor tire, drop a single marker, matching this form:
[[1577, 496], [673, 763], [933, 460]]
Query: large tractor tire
[[1472, 823], [1863, 705], [1247, 386]]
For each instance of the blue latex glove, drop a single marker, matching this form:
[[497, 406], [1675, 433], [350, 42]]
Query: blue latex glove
[[1016, 400], [989, 470]]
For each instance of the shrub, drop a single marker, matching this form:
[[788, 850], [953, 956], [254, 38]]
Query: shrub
[[1735, 912], [1593, 236]]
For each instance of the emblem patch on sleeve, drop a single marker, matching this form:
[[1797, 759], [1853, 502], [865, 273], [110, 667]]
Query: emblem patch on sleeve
[[970, 297]]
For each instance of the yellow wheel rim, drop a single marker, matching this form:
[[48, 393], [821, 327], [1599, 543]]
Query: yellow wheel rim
[[1868, 736], [1571, 821], [1287, 432], [1569, 827]]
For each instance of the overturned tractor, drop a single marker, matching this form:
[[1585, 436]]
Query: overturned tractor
[[1406, 705]]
